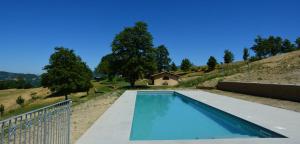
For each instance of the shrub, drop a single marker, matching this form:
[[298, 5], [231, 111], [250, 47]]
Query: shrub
[[211, 63], [185, 65], [194, 69], [1, 109], [228, 56], [20, 101], [35, 97]]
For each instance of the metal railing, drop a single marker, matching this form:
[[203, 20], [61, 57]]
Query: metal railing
[[47, 125]]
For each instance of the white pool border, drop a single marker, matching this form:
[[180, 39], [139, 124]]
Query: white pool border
[[114, 126]]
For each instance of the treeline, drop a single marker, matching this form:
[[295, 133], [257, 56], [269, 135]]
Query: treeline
[[271, 46], [19, 84], [262, 47], [10, 80]]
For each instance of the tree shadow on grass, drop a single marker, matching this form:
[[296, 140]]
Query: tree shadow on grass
[[52, 95]]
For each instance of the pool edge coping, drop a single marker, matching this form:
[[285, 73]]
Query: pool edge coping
[[120, 132]]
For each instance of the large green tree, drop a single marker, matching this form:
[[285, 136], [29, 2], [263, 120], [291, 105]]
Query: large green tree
[[66, 73], [228, 56], [211, 63], [185, 64], [162, 58], [246, 54], [134, 53]]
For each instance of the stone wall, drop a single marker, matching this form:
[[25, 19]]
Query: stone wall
[[278, 91]]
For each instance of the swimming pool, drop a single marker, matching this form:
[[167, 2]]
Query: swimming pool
[[168, 115]]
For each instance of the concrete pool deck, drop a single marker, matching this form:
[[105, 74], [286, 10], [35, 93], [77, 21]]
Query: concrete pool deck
[[114, 126]]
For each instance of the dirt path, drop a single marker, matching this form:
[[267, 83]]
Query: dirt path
[[85, 114]]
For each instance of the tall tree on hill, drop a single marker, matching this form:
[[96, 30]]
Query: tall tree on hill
[[134, 53], [66, 73], [287, 46], [261, 47], [211, 63], [298, 42], [246, 54], [228, 56], [162, 58], [274, 44], [173, 67], [185, 65]]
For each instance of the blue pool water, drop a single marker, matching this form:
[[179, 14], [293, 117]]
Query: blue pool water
[[172, 116]]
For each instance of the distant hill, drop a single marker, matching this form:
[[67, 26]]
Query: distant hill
[[29, 78]]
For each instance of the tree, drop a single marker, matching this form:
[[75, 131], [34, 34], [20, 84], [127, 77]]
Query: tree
[[274, 45], [66, 73], [246, 54], [20, 101], [134, 53], [261, 47], [107, 66], [228, 56], [173, 67], [298, 42], [211, 63], [162, 58], [287, 46], [1, 109], [185, 65]]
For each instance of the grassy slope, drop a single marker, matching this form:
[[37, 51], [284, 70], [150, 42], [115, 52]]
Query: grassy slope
[[8, 97], [284, 68]]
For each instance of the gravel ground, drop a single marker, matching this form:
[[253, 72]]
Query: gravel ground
[[85, 114]]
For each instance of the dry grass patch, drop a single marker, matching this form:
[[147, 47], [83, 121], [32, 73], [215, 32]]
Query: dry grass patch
[[85, 114]]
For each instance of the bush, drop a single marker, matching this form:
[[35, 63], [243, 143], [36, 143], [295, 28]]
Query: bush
[[228, 56], [35, 97], [194, 69], [185, 65], [1, 109], [20, 101], [211, 63]]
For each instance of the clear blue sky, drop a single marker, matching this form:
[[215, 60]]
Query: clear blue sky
[[196, 29]]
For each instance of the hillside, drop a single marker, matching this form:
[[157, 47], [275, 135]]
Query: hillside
[[283, 68], [30, 78]]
